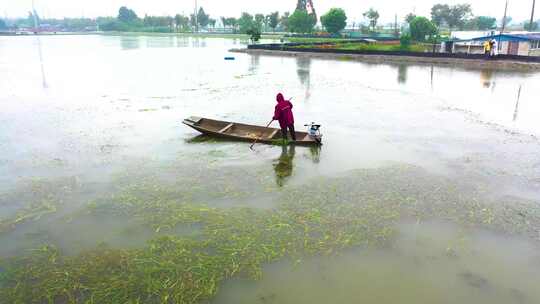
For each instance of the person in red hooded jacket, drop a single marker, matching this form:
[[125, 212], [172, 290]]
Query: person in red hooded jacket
[[283, 113]]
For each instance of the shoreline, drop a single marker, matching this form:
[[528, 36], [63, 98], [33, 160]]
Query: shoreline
[[400, 59]]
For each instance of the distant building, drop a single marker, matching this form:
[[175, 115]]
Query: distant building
[[466, 35], [514, 43]]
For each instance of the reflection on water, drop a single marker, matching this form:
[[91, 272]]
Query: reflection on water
[[283, 166], [44, 79], [182, 42], [303, 69], [254, 62], [134, 42], [315, 154], [163, 42], [431, 74], [486, 77], [197, 42], [402, 73], [130, 42], [516, 111]]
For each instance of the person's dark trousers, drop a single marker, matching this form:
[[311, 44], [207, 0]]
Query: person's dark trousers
[[291, 129]]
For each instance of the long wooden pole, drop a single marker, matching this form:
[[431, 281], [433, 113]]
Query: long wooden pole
[[258, 138]]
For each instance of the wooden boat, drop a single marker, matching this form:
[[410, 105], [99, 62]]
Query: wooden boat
[[243, 132]]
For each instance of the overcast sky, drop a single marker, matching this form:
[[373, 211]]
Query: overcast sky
[[519, 10]]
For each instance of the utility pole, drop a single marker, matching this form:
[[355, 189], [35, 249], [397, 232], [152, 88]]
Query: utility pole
[[503, 26], [34, 14], [395, 27], [196, 18], [532, 17]]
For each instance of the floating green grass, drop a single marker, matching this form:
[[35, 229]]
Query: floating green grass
[[333, 214], [34, 199], [235, 242], [33, 212]]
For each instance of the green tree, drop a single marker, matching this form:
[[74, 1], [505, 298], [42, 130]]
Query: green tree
[[127, 15], [335, 20], [301, 22], [177, 21], [260, 20], [482, 23], [405, 41], [373, 16], [212, 22], [75, 24], [273, 20], [254, 33], [182, 22], [108, 23], [233, 22], [246, 23], [459, 15], [422, 29], [229, 22], [507, 21], [440, 13], [162, 24], [410, 17], [284, 21], [530, 27], [3, 25], [193, 20], [203, 18]]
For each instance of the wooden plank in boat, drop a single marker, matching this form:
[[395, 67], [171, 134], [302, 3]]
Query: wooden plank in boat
[[273, 134], [226, 128]]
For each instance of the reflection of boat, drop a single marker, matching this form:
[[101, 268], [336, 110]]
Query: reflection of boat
[[243, 132]]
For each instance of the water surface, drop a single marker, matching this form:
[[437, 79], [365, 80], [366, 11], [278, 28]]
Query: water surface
[[98, 117]]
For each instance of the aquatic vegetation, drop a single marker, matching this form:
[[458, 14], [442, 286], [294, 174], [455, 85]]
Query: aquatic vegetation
[[236, 241], [33, 212], [35, 199], [280, 142], [333, 214]]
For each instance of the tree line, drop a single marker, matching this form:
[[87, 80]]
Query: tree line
[[128, 20], [443, 16]]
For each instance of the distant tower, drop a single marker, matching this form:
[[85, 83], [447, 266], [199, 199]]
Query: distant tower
[[307, 6]]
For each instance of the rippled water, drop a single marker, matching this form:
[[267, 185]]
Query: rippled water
[[100, 114]]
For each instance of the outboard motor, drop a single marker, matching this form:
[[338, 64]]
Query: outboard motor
[[314, 131]]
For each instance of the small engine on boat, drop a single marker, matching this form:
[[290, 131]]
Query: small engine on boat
[[314, 131]]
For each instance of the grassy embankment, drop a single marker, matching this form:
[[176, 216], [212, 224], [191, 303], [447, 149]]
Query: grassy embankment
[[350, 44]]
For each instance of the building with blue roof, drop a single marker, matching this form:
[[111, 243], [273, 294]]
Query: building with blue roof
[[516, 43]]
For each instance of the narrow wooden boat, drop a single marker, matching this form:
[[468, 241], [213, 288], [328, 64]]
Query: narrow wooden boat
[[243, 132]]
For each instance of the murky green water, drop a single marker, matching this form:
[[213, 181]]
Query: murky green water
[[426, 189]]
